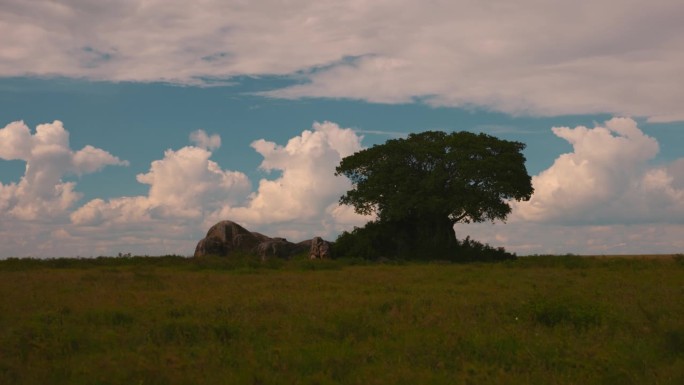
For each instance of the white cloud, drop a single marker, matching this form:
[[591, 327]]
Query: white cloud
[[606, 179], [185, 188], [185, 185], [202, 140], [188, 193], [303, 201], [604, 197], [123, 210], [15, 141], [41, 194], [526, 238], [509, 57], [90, 159], [186, 180]]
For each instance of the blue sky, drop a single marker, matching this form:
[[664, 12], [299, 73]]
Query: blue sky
[[144, 124]]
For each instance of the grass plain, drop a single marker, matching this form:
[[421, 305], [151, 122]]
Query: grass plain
[[171, 320]]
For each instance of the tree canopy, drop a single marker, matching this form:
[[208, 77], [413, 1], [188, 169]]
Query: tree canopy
[[419, 187]]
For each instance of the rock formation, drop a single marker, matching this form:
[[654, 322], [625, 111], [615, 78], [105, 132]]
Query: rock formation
[[320, 249], [226, 238]]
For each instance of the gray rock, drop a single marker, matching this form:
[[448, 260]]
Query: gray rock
[[320, 249], [275, 247], [228, 238]]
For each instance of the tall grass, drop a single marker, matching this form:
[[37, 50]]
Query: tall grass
[[215, 321]]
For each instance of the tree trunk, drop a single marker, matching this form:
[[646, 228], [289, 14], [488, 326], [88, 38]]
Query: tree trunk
[[438, 237], [424, 237]]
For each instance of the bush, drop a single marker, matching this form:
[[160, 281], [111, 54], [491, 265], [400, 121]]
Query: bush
[[368, 242], [470, 250], [377, 241]]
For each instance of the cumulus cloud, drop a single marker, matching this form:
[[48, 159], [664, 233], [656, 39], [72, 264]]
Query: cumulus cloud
[[303, 200], [512, 58], [185, 185], [604, 197], [606, 179], [186, 180], [41, 193], [188, 193]]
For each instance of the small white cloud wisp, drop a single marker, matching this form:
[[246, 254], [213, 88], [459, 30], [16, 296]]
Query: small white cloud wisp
[[202, 140]]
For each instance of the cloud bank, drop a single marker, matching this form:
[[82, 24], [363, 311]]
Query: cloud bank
[[548, 58], [188, 192], [605, 196], [188, 189]]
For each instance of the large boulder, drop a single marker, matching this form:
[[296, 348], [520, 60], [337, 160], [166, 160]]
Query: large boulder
[[320, 249], [277, 247], [227, 238]]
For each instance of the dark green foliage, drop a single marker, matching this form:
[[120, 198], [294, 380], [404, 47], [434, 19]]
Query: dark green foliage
[[393, 240], [470, 250], [419, 187], [364, 242], [461, 176], [373, 242]]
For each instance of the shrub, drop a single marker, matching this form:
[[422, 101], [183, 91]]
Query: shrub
[[470, 250], [375, 241], [368, 242]]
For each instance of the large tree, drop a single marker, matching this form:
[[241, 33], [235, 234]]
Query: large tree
[[419, 187]]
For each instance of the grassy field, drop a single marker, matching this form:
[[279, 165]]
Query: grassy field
[[538, 320]]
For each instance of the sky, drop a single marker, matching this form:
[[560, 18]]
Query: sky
[[133, 126]]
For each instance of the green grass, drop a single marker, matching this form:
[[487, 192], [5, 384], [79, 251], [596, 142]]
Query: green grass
[[171, 320]]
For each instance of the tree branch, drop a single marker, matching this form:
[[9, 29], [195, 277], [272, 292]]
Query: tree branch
[[458, 218]]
